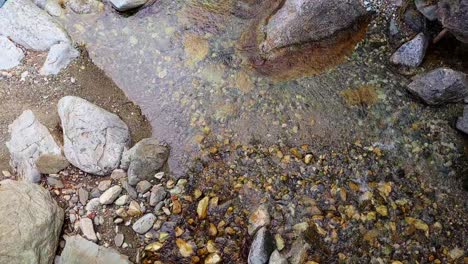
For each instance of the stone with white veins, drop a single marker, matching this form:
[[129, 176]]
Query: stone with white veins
[[87, 228], [29, 140], [94, 138], [79, 250], [440, 86], [29, 26], [411, 54], [10, 55], [60, 55], [109, 196], [124, 5], [144, 224], [30, 223]]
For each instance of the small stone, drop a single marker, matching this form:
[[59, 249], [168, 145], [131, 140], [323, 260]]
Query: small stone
[[153, 247], [308, 158], [122, 200], [185, 249], [83, 195], [276, 258], [158, 193], [118, 240], [134, 209], [51, 164], [279, 242], [213, 258], [144, 224], [6, 173], [130, 190], [259, 218], [159, 175], [118, 221], [87, 228], [118, 174], [54, 182], [411, 54], [124, 5], [104, 185], [202, 208], [261, 248], [176, 207], [109, 196], [143, 186], [93, 205]]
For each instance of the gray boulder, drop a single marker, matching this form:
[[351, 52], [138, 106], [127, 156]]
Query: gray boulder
[[440, 86], [411, 54], [462, 123], [262, 247], [29, 26], [79, 250], [301, 21], [30, 223], [10, 55], [60, 55], [29, 140], [125, 5], [94, 139], [144, 159]]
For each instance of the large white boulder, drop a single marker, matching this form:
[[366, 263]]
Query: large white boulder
[[30, 223], [94, 139], [10, 55], [29, 140]]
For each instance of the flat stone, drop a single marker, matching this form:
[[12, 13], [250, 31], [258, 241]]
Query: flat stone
[[94, 139], [10, 55], [54, 182], [144, 159], [440, 86], [29, 140], [79, 250], [60, 55], [144, 224], [262, 247], [83, 196], [93, 205], [29, 217], [109, 196], [411, 54], [118, 240], [143, 186], [462, 122], [158, 193], [124, 5], [87, 228], [104, 185], [29, 26], [51, 163]]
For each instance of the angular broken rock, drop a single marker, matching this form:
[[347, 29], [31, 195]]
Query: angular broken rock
[[426, 8], [79, 250], [301, 21], [30, 223], [259, 218], [411, 54], [10, 55], [262, 247], [29, 140], [87, 228], [276, 258], [440, 86], [29, 26], [144, 159], [462, 122], [51, 164], [94, 139], [125, 5], [454, 17], [60, 55]]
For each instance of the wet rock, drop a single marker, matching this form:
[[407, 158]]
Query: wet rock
[[302, 21], [79, 250], [29, 140], [440, 86], [462, 122], [85, 6], [125, 5], [144, 159], [411, 54], [426, 8], [158, 193], [259, 218], [454, 16], [261, 248], [51, 164], [60, 55], [94, 139], [276, 258], [109, 196], [144, 224], [29, 26], [87, 228], [143, 186], [10, 55], [29, 217]]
